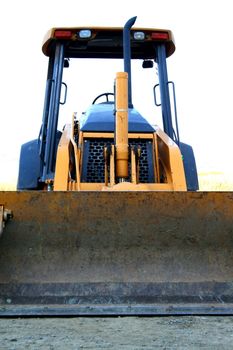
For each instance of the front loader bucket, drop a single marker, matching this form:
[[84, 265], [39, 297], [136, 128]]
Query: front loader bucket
[[117, 253]]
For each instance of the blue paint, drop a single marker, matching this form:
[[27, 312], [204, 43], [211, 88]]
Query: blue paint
[[100, 118]]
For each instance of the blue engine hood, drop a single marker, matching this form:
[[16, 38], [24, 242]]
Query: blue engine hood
[[100, 118]]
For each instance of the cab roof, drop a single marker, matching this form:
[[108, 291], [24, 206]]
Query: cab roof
[[107, 42]]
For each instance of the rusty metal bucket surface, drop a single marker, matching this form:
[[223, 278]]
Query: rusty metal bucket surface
[[121, 253]]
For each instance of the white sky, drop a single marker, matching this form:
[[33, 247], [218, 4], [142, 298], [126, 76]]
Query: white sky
[[201, 68]]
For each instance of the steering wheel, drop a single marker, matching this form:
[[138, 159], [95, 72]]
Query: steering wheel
[[106, 94]]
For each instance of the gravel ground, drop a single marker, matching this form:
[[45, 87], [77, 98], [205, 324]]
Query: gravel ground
[[117, 333]]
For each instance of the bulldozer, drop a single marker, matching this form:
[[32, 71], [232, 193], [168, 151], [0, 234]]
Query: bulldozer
[[107, 218]]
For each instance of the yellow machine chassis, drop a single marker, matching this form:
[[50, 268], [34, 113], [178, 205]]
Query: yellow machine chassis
[[166, 151]]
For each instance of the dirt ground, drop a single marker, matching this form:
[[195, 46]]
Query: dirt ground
[[117, 333]]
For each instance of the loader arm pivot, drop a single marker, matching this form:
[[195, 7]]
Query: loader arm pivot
[[5, 215]]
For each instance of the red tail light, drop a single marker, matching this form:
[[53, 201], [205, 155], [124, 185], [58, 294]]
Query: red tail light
[[63, 34], [160, 36]]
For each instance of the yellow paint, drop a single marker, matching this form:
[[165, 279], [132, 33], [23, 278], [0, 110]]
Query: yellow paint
[[168, 162], [129, 186], [121, 122], [171, 159], [133, 167], [110, 135], [112, 167], [76, 155], [62, 161]]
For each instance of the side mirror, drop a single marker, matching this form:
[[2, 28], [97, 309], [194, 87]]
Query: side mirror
[[66, 63], [147, 64]]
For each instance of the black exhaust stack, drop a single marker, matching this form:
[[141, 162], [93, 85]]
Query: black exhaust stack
[[127, 55]]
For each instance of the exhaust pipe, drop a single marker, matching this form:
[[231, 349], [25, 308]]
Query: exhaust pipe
[[127, 55]]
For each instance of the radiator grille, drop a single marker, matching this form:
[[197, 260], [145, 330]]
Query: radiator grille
[[93, 160]]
